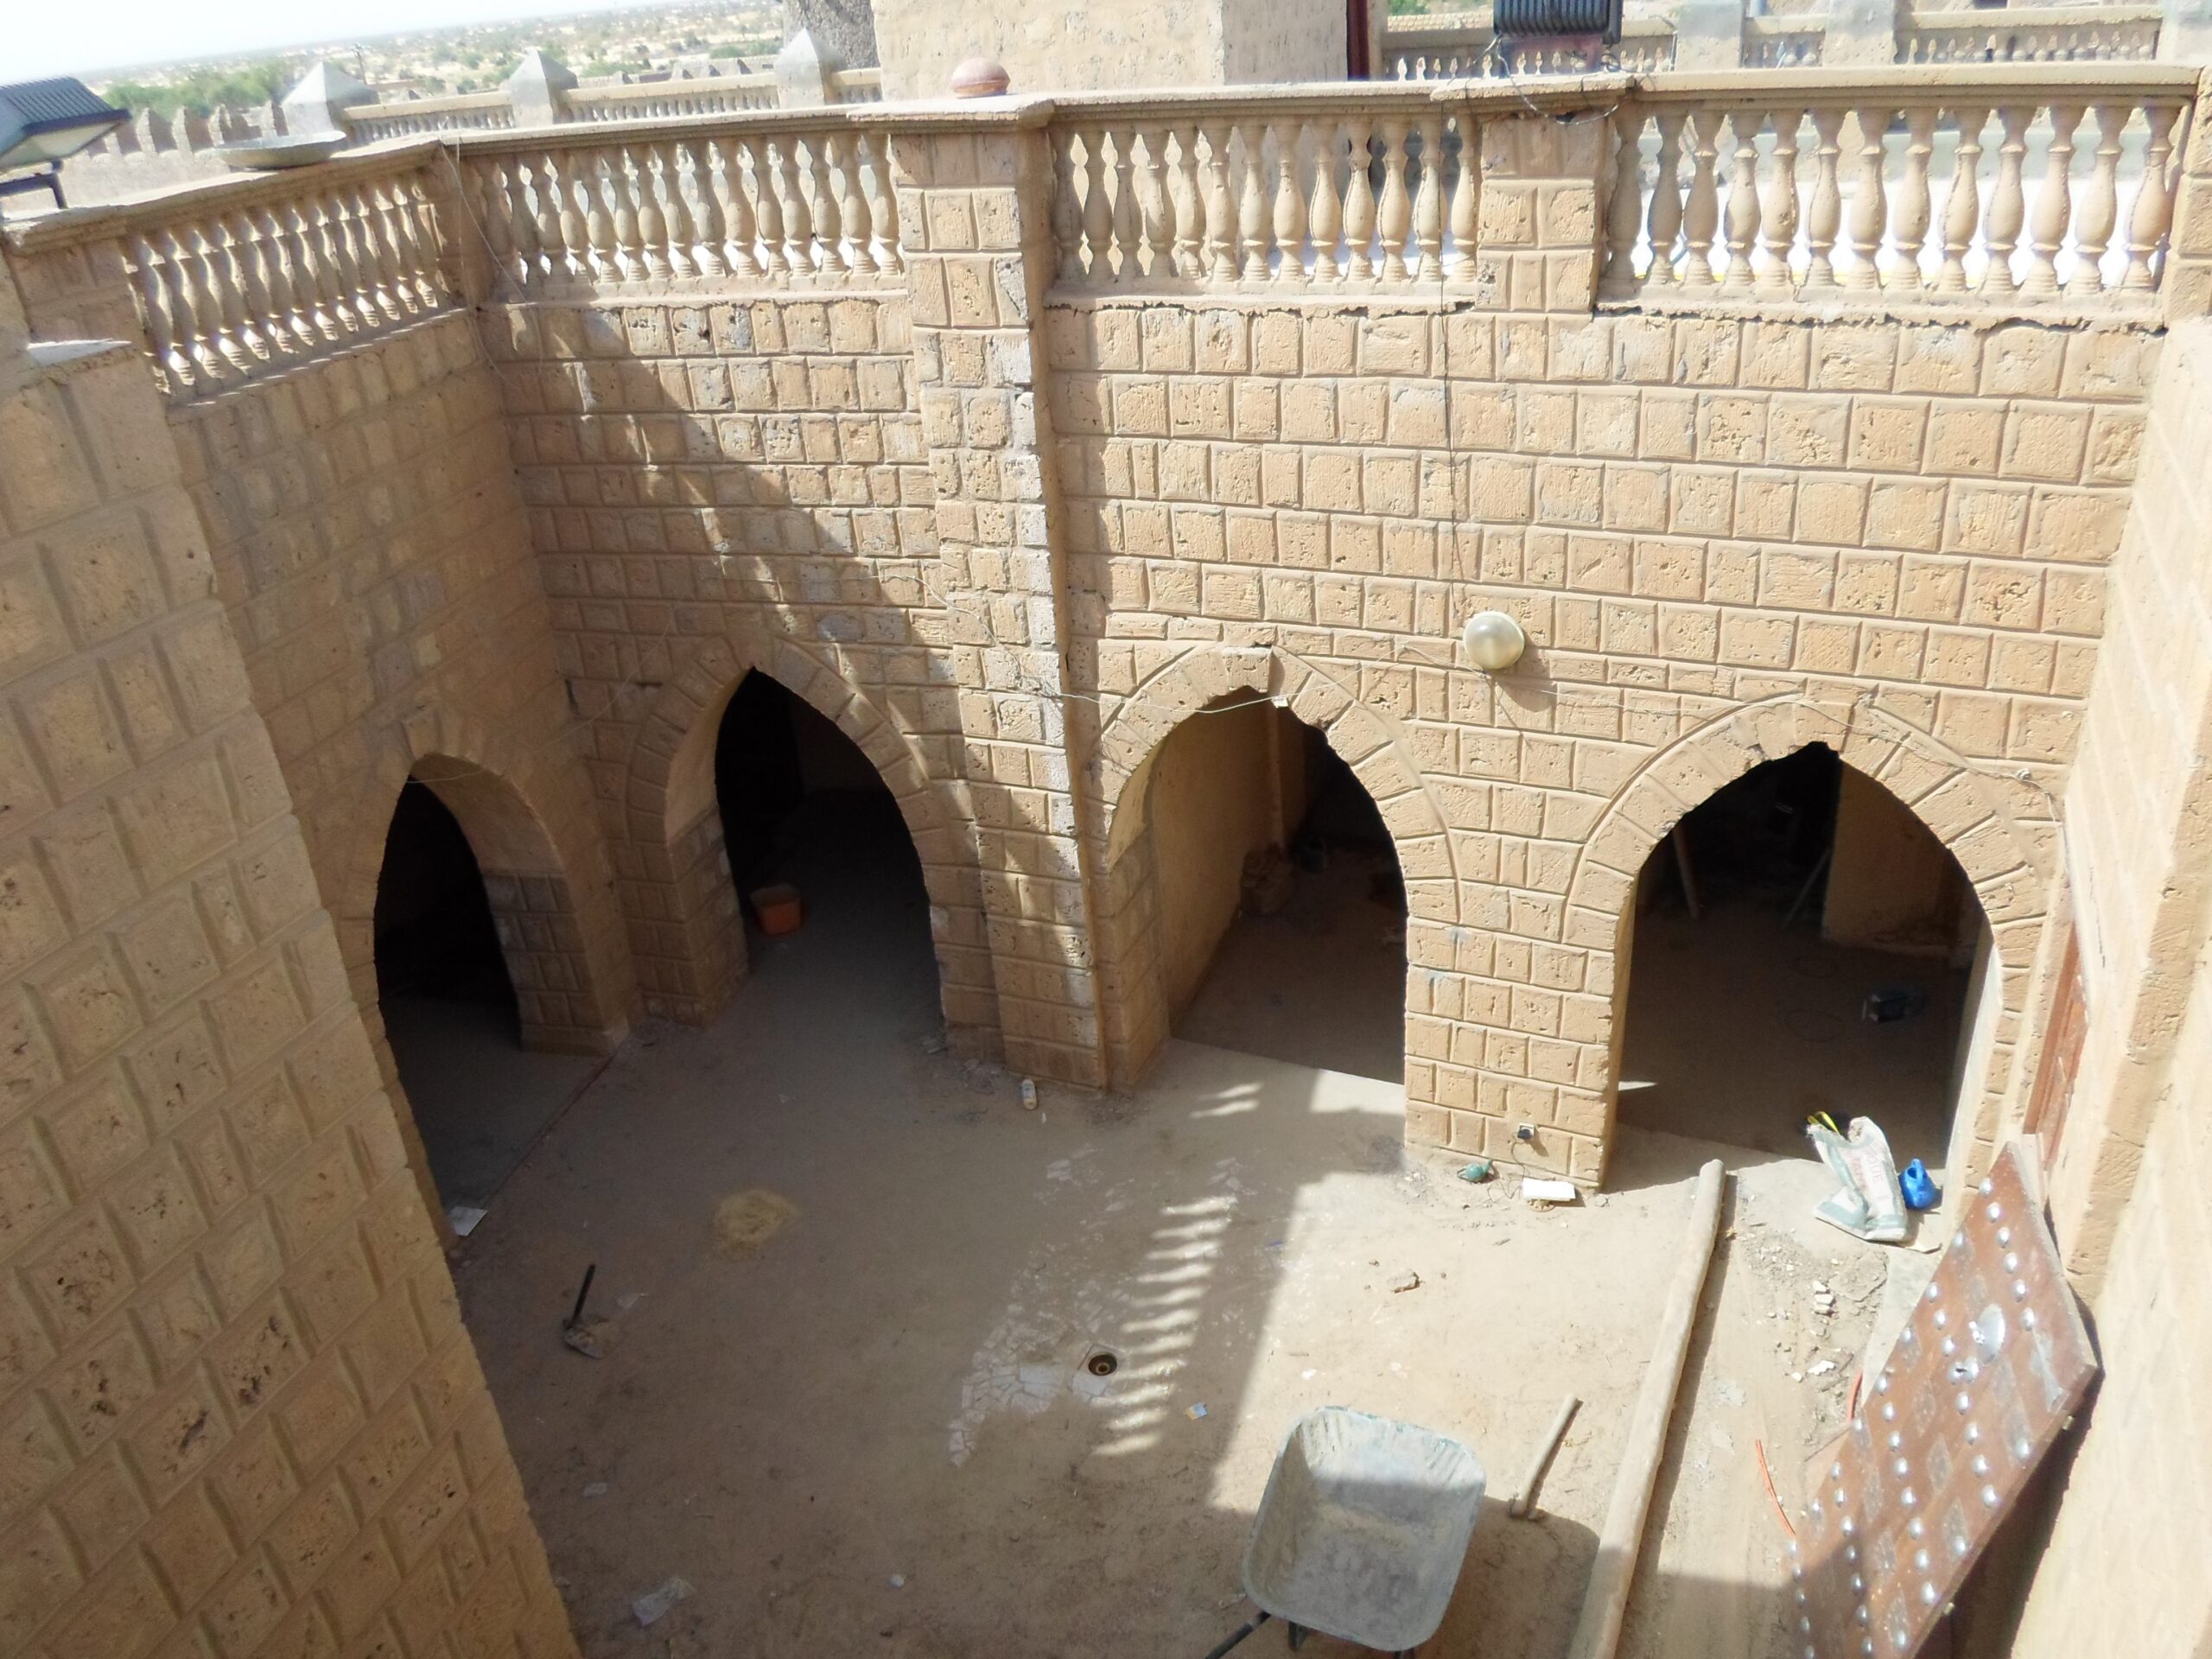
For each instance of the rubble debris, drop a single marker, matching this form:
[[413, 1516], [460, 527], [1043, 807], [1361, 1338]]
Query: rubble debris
[[1404, 1282], [1195, 1412], [654, 1605], [1267, 881], [744, 1221]]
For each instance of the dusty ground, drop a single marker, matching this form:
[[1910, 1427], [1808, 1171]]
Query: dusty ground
[[871, 1431], [1737, 1030], [481, 1099]]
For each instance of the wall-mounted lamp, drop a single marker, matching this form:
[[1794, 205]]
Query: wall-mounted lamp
[[1494, 641]]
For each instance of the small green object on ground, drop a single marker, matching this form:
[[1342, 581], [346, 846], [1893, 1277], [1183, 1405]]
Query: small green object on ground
[[1480, 1170]]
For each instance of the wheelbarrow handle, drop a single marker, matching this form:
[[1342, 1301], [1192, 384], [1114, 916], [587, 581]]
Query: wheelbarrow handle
[[1239, 1634]]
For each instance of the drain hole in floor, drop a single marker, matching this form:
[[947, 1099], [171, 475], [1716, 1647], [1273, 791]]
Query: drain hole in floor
[[1102, 1365]]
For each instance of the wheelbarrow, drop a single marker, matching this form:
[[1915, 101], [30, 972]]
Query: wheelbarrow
[[1361, 1532]]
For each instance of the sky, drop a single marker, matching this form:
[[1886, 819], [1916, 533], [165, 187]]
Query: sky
[[60, 37]]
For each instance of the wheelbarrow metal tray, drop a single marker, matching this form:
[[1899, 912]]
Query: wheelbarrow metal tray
[[1363, 1528]]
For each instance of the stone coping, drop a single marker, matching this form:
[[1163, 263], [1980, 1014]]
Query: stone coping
[[1601, 92]]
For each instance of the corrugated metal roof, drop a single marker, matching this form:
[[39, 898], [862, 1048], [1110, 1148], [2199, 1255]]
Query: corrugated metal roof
[[30, 107]]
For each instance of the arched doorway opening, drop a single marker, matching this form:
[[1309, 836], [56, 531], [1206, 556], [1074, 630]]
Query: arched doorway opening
[[1803, 942], [803, 808], [480, 1080], [1278, 910]]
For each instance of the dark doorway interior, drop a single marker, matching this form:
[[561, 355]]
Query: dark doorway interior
[[479, 1099], [801, 806], [1802, 943]]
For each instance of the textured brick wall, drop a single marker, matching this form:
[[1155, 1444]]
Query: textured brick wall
[[1906, 528], [721, 487], [237, 1411], [2126, 1568]]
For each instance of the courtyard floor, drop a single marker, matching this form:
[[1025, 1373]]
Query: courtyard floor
[[872, 1430]]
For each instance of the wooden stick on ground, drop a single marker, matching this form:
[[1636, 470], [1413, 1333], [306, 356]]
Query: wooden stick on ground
[[1525, 1500], [1598, 1633]]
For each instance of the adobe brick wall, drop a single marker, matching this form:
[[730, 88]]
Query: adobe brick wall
[[2129, 1189], [1905, 527], [717, 487], [237, 1410]]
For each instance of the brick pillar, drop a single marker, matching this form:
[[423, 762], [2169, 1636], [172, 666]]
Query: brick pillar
[[973, 209]]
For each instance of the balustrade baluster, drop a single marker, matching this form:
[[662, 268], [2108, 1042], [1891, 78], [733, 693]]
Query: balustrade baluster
[[147, 281], [1252, 228], [1962, 200], [600, 222], [537, 174], [1701, 212], [1624, 206], [289, 323], [576, 228], [1778, 211], [1464, 206], [1158, 204], [1664, 222], [1742, 199], [1870, 206], [2154, 200], [791, 200], [1129, 220], [711, 222], [390, 208], [2100, 209], [629, 226], [379, 268], [2054, 203], [768, 206], [1221, 221], [882, 207], [195, 307], [312, 269], [737, 207], [1359, 202], [221, 313], [1912, 207], [2007, 201], [1325, 215], [1428, 201], [676, 213], [495, 210], [1067, 209], [264, 330], [828, 225], [1393, 211], [852, 205], [1097, 212], [521, 224]]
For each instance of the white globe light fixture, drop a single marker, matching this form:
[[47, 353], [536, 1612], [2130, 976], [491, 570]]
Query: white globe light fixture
[[1494, 641]]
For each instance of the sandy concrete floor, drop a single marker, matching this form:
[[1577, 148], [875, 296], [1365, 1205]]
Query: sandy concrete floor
[[1736, 1031], [1322, 982], [481, 1099], [873, 1433]]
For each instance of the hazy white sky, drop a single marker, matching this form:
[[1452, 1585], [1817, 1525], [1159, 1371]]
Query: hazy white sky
[[77, 37]]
